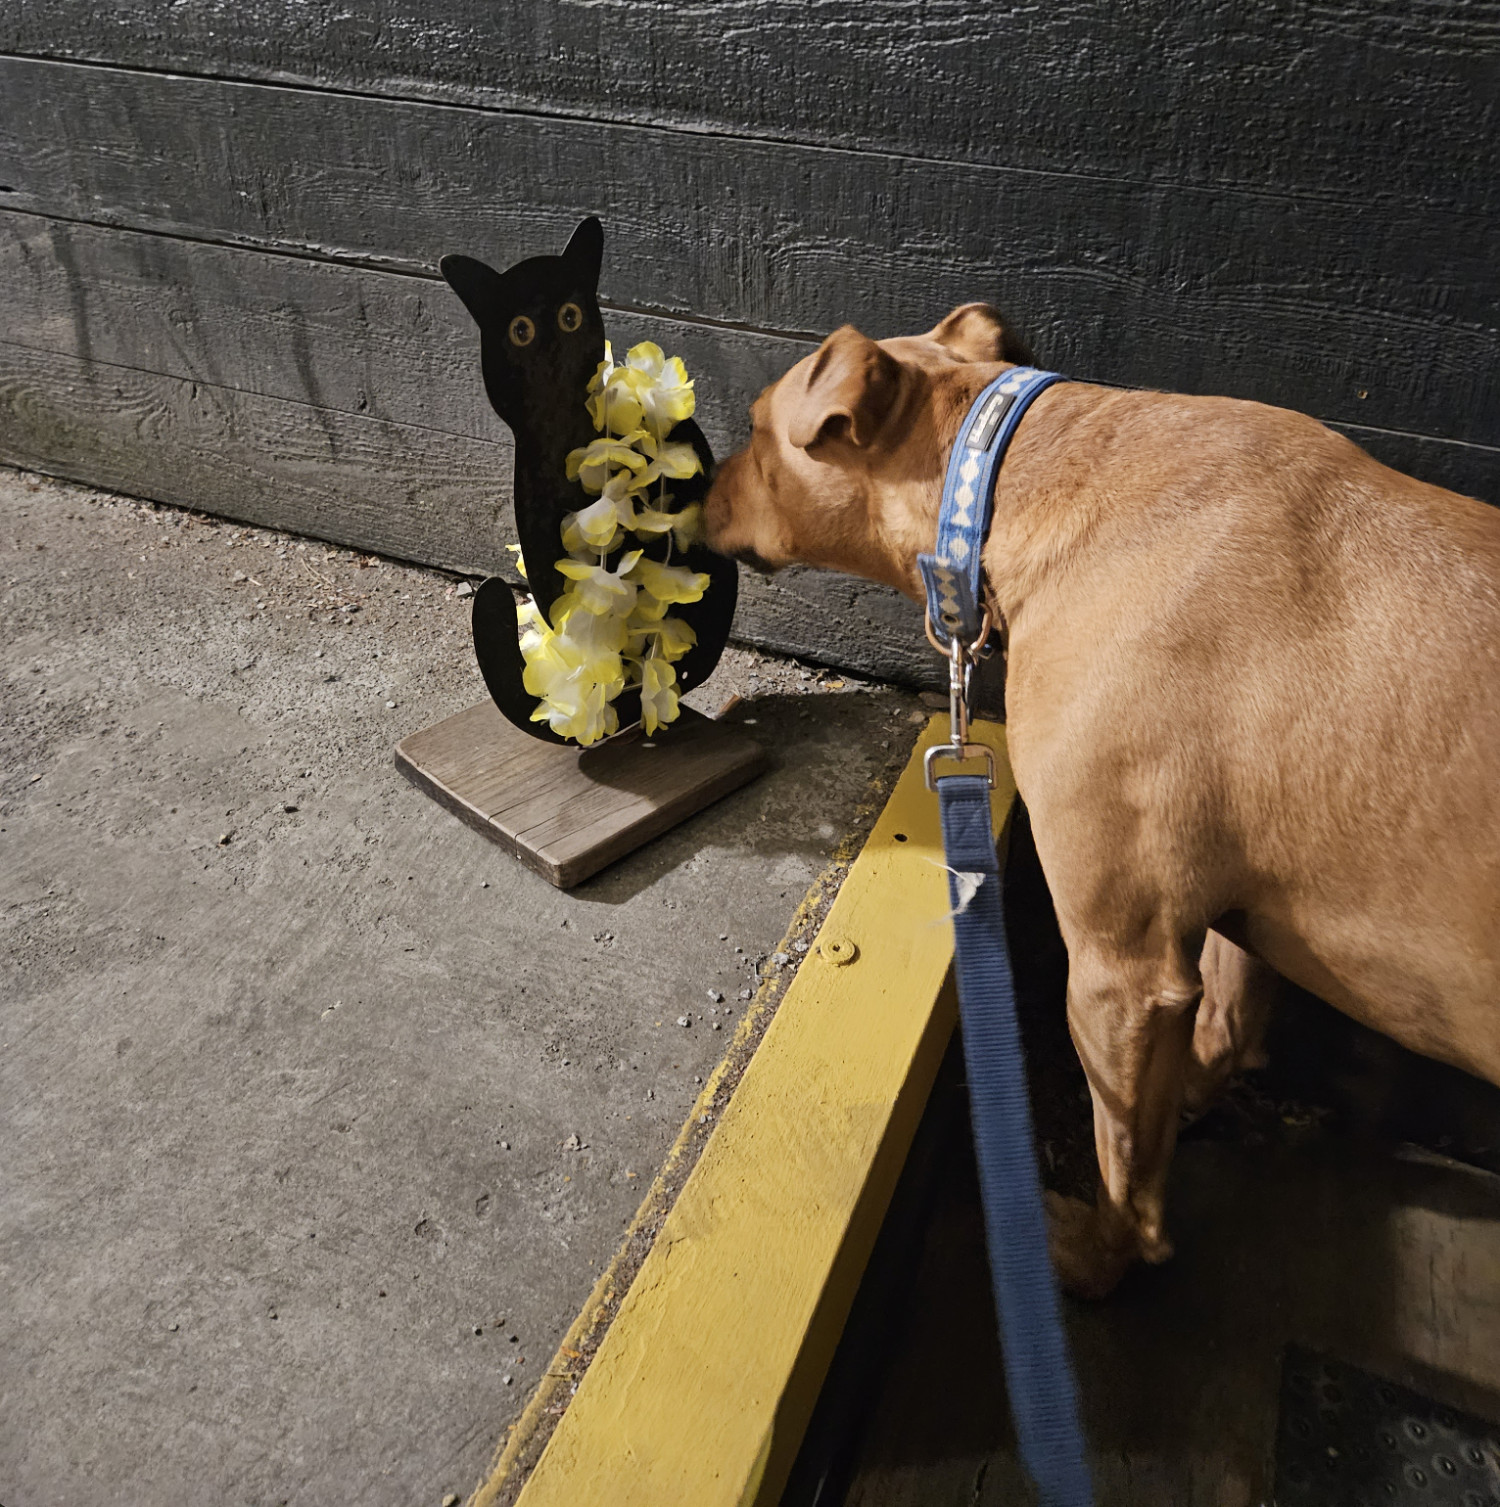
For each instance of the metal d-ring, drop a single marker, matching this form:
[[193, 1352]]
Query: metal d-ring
[[971, 653]]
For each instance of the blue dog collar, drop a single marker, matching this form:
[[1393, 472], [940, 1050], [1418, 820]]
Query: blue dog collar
[[953, 574]]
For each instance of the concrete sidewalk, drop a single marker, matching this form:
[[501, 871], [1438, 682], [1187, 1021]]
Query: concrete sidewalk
[[318, 1114]]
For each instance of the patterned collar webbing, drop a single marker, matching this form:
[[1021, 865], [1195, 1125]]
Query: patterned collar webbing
[[953, 572]]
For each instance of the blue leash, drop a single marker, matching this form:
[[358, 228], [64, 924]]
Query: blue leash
[[1038, 1372]]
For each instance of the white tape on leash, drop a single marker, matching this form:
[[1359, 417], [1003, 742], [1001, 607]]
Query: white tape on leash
[[966, 884]]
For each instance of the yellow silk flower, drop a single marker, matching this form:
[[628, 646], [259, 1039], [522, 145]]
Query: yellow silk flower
[[662, 387], [673, 636], [668, 583], [593, 464], [578, 708], [647, 388], [685, 527], [612, 404], [599, 589], [658, 694], [596, 528]]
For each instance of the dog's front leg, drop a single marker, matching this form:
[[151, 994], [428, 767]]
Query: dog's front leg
[[1132, 1017]]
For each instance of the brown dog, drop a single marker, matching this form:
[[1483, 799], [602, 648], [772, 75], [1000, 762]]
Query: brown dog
[[1254, 703]]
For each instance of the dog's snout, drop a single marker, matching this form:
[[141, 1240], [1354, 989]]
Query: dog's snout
[[725, 517], [718, 506]]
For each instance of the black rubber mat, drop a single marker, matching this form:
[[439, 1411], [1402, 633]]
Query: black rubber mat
[[1349, 1439]]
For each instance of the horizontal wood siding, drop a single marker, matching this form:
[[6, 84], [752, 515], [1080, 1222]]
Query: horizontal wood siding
[[219, 228], [1286, 301], [352, 338], [1365, 100], [395, 488]]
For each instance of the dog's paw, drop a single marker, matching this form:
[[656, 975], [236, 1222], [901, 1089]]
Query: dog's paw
[[1087, 1265], [1155, 1247], [1197, 1099]]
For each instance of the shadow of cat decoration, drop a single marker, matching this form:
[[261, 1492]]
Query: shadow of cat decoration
[[541, 340]]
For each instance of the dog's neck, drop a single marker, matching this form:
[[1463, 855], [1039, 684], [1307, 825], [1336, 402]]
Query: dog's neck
[[1022, 546]]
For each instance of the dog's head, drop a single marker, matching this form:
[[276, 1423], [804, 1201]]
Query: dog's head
[[847, 441]]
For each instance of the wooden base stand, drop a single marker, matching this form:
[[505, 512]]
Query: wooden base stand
[[567, 812]]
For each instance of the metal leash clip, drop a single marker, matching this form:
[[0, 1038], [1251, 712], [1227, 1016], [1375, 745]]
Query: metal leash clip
[[960, 657]]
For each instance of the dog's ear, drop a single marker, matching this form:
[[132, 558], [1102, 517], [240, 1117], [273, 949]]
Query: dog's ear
[[977, 332], [851, 386]]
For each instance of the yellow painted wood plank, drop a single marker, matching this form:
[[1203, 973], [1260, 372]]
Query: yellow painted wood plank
[[700, 1392]]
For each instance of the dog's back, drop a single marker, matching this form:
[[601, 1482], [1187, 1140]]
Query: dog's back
[[1315, 654]]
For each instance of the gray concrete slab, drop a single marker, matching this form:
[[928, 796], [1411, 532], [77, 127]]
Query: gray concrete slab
[[318, 1114]]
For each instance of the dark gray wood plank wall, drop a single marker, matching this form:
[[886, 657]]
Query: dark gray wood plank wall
[[241, 208], [1378, 319], [1297, 98]]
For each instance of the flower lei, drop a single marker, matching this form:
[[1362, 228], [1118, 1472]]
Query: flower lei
[[610, 628]]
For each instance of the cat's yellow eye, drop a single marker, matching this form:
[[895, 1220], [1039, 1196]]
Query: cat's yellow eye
[[569, 317], [522, 331]]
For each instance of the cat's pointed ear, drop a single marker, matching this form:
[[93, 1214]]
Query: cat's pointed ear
[[475, 283], [585, 249]]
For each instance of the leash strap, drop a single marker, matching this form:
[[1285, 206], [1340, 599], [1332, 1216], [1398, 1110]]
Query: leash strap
[[1043, 1399], [952, 573]]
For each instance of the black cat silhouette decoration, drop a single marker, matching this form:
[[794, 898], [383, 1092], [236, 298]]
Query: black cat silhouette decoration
[[541, 340]]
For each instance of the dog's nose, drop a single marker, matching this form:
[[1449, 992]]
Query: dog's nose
[[757, 563]]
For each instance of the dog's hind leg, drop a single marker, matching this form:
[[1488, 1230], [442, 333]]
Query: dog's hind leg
[[1239, 993], [1132, 1020]]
